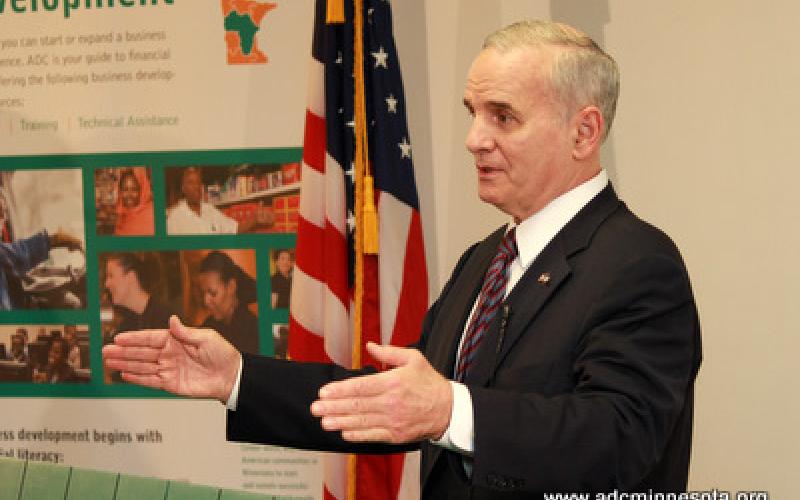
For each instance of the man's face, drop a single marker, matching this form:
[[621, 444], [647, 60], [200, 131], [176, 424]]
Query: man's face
[[192, 187], [518, 136]]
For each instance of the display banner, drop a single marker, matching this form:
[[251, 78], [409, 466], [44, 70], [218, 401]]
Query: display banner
[[150, 167]]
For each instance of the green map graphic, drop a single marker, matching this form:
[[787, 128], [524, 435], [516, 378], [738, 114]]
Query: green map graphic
[[243, 25]]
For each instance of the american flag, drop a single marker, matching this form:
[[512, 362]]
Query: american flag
[[395, 281]]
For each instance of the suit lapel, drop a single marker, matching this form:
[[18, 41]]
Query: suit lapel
[[450, 324], [524, 302], [542, 279]]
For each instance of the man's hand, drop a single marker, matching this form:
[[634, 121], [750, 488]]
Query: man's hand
[[186, 361], [410, 402]]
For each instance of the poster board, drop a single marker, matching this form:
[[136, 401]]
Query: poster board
[[111, 114]]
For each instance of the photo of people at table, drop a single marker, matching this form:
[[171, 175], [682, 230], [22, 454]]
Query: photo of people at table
[[44, 354]]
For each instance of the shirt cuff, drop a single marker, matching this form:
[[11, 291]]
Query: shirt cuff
[[460, 434], [233, 398]]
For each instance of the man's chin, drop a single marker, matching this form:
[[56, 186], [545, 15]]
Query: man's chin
[[489, 195]]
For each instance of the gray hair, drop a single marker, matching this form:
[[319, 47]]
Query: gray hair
[[581, 75]]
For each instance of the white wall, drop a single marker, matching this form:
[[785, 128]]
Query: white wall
[[703, 146]]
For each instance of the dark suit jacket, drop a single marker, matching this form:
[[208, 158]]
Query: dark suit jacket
[[588, 387]]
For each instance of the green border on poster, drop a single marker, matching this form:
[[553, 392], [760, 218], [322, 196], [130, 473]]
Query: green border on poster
[[157, 161]]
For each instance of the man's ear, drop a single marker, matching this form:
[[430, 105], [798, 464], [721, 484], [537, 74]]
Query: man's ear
[[588, 127]]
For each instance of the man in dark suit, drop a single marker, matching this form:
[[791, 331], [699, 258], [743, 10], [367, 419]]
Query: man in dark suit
[[561, 354]]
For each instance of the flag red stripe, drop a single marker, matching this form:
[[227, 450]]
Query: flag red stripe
[[379, 476], [334, 263], [309, 246], [304, 345], [314, 142], [413, 301], [322, 255], [370, 312]]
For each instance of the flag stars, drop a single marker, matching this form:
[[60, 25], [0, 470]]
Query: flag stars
[[351, 221], [350, 172], [381, 58], [391, 102], [405, 148], [339, 57], [370, 11]]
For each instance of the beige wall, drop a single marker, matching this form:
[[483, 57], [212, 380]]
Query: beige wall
[[704, 146]]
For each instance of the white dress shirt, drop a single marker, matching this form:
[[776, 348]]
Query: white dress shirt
[[183, 220]]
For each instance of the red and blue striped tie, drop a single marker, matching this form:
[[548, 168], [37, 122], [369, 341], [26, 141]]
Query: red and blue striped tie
[[492, 293]]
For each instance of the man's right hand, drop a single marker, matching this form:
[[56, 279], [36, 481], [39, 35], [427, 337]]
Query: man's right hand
[[185, 361]]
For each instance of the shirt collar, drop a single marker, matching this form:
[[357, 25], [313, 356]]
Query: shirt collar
[[535, 232]]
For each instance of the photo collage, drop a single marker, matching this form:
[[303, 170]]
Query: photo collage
[[89, 252]]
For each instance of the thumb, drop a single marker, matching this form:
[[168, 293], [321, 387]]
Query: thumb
[[184, 334], [390, 355]]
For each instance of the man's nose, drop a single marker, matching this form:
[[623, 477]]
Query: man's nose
[[478, 139]]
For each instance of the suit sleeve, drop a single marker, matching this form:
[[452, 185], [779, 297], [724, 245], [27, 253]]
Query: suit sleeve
[[273, 406], [275, 396], [633, 367]]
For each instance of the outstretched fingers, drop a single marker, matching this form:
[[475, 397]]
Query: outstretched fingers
[[133, 366], [356, 387], [156, 339]]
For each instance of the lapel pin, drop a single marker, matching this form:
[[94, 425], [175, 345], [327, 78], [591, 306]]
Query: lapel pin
[[544, 279]]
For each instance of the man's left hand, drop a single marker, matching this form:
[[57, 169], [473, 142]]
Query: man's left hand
[[410, 402]]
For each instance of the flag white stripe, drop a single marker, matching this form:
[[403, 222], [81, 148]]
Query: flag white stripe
[[337, 319], [307, 306], [313, 190], [335, 209], [395, 220], [316, 88], [336, 474], [409, 484]]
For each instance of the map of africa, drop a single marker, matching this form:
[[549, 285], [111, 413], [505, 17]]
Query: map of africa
[[242, 21]]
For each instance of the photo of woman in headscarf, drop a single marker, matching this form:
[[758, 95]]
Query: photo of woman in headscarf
[[227, 290], [134, 203]]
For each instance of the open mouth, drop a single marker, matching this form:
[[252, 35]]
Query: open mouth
[[487, 170]]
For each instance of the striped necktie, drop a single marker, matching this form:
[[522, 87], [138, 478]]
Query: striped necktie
[[491, 295]]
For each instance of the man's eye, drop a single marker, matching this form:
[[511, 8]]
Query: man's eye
[[503, 117]]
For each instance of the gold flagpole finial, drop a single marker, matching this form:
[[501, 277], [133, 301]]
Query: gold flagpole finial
[[335, 12]]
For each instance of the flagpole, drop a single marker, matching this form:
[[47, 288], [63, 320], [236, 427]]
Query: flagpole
[[360, 169]]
